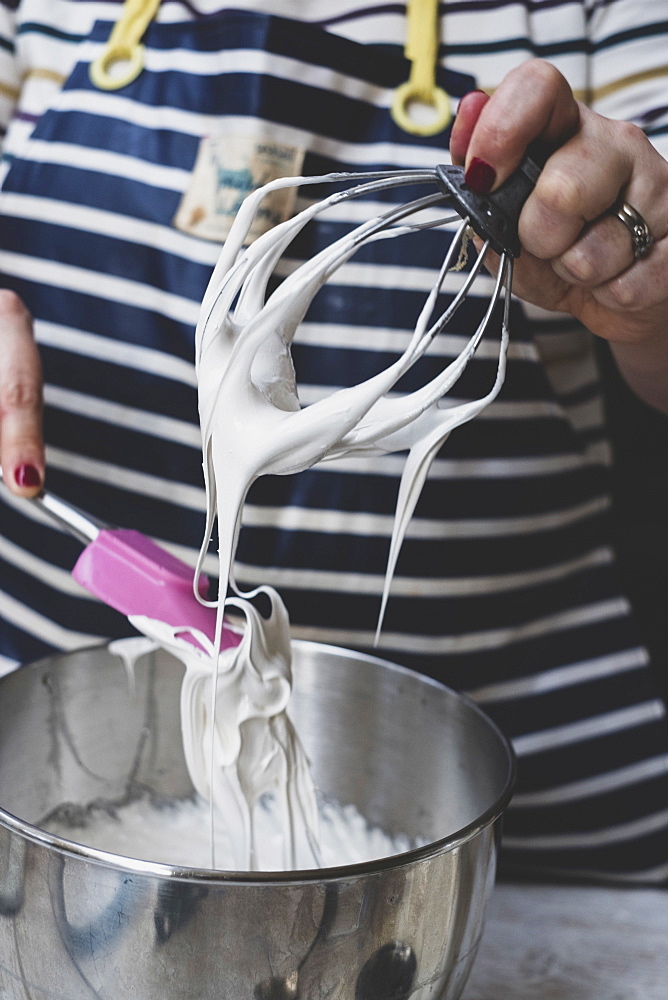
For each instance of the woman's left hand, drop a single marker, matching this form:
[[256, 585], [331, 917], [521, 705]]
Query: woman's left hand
[[578, 257]]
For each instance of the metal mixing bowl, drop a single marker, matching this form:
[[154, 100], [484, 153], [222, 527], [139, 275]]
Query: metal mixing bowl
[[77, 924]]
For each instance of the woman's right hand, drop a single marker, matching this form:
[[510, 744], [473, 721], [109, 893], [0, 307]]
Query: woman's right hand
[[21, 442]]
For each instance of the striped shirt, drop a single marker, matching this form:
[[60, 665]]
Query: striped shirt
[[507, 585]]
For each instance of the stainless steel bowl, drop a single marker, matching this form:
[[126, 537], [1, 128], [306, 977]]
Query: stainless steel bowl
[[77, 924]]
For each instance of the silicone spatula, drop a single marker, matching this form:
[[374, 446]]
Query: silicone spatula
[[134, 575]]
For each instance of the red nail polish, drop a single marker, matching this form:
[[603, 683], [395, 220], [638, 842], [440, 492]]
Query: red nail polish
[[27, 475], [480, 176]]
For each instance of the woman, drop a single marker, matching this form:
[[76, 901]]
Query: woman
[[509, 586]]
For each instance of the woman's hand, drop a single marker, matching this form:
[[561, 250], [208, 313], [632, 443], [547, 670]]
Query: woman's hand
[[577, 255], [21, 444]]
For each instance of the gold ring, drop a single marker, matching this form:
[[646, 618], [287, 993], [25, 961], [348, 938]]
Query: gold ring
[[638, 228]]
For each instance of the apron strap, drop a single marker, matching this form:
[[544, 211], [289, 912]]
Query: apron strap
[[122, 58], [422, 40]]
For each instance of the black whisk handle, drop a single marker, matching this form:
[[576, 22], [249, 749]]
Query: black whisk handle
[[494, 216]]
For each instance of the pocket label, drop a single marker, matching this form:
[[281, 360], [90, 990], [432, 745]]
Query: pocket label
[[229, 167]]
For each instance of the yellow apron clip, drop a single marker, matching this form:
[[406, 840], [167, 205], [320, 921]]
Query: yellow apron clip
[[422, 39], [122, 59]]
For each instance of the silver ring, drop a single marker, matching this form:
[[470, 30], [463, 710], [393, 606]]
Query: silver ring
[[638, 228]]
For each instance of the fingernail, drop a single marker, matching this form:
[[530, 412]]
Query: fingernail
[[27, 476], [480, 176]]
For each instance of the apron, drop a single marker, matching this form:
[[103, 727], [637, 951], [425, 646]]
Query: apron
[[505, 586]]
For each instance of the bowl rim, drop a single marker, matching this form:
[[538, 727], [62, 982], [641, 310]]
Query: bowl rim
[[183, 873]]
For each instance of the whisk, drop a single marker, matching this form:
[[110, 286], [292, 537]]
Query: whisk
[[244, 336]]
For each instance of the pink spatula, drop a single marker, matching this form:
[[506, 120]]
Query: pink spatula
[[134, 575]]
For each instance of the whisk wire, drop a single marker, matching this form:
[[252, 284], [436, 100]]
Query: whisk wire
[[246, 334]]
